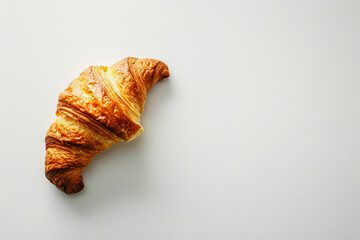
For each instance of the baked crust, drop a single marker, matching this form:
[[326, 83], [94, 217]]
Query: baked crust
[[99, 108]]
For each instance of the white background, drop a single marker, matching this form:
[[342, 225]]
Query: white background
[[255, 136]]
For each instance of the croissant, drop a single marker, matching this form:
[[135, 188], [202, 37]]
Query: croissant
[[101, 107]]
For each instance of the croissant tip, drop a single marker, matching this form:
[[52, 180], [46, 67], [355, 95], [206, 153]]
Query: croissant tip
[[74, 188], [68, 181], [165, 73]]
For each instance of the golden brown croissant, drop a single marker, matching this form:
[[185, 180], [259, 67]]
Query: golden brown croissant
[[99, 108]]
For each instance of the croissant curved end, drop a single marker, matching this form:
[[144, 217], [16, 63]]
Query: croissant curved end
[[165, 73], [68, 181]]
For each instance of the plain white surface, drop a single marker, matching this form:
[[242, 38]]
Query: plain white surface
[[255, 136]]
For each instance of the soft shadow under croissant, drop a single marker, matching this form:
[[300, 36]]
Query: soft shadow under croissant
[[99, 108]]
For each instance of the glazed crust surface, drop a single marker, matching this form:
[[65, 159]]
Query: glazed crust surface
[[99, 108]]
